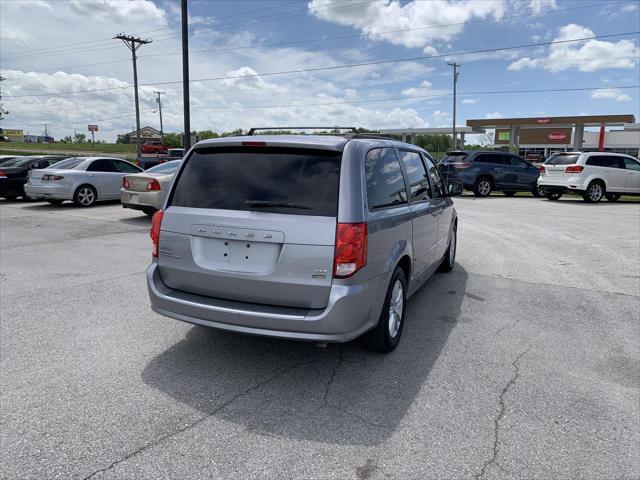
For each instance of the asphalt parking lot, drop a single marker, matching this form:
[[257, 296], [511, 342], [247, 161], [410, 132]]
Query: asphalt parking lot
[[524, 362]]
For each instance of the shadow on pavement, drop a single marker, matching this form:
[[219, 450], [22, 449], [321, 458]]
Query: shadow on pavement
[[343, 394]]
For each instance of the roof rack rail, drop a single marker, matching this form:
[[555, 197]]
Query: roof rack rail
[[380, 136], [333, 129]]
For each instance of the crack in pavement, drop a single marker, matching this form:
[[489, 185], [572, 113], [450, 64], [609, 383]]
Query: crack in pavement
[[327, 389], [512, 325], [496, 421], [202, 418]]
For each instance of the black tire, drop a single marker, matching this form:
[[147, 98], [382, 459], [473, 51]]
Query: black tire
[[535, 192], [85, 196], [149, 211], [55, 202], [386, 335], [594, 193], [483, 187], [449, 259], [11, 198], [613, 197], [553, 196], [509, 194]]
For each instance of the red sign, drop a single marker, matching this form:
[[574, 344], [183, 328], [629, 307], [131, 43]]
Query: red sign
[[92, 128], [544, 121], [557, 137]]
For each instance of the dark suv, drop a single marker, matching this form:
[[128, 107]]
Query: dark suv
[[483, 172]]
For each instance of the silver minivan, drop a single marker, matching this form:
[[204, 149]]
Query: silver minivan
[[317, 238]]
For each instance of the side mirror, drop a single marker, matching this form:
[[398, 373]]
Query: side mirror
[[455, 188]]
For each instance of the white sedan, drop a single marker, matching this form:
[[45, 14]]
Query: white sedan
[[84, 180]]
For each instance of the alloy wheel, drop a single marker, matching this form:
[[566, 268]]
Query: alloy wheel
[[86, 196], [595, 192], [484, 187], [396, 307]]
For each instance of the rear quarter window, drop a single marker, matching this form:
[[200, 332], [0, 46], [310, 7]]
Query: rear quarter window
[[562, 159], [266, 179]]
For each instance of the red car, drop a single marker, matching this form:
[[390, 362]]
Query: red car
[[153, 147]]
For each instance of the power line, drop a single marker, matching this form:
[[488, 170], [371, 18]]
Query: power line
[[414, 97], [343, 66]]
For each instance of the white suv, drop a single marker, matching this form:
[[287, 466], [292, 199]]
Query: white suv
[[591, 174]]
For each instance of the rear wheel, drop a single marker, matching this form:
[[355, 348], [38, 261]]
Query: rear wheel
[[553, 195], [149, 211], [85, 196], [509, 194], [483, 187], [10, 198], [54, 202], [595, 192], [613, 197], [386, 335], [449, 259]]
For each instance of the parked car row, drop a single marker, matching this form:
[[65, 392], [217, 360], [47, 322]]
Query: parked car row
[[593, 175]]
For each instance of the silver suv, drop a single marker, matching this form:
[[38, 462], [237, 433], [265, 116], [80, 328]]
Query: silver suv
[[317, 238]]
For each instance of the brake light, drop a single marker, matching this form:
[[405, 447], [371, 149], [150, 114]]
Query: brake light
[[460, 165], [3, 174], [125, 182], [52, 177], [574, 169], [351, 249], [542, 170], [153, 185], [254, 144], [156, 222]]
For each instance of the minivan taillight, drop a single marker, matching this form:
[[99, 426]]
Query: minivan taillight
[[125, 182], [574, 169], [153, 185], [3, 174], [542, 170], [156, 222], [351, 249]]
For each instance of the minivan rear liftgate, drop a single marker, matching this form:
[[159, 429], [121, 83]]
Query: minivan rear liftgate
[[253, 224]]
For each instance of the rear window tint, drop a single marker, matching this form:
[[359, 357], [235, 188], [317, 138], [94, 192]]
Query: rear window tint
[[562, 159], [264, 179]]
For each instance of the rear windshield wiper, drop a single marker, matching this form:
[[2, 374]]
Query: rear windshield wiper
[[267, 204]]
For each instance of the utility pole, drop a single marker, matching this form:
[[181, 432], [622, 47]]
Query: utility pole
[[185, 76], [133, 44], [455, 81], [160, 110]]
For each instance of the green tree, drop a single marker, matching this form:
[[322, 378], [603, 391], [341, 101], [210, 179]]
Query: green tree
[[173, 140], [126, 139], [79, 138], [67, 139]]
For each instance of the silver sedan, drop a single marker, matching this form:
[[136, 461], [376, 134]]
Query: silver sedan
[[84, 180]]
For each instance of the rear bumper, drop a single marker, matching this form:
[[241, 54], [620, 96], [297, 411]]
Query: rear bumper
[[54, 192], [352, 310], [563, 185], [141, 200]]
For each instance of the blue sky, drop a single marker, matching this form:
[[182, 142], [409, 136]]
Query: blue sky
[[39, 55]]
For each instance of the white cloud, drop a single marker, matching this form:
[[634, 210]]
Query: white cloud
[[136, 10], [437, 16], [423, 89], [611, 94], [470, 101], [15, 35], [429, 50], [439, 116], [494, 115], [541, 6], [585, 56], [631, 7]]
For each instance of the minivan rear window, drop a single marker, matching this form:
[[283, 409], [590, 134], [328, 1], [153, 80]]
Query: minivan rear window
[[265, 179]]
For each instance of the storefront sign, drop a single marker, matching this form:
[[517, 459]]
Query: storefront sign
[[557, 137], [544, 121], [93, 128]]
